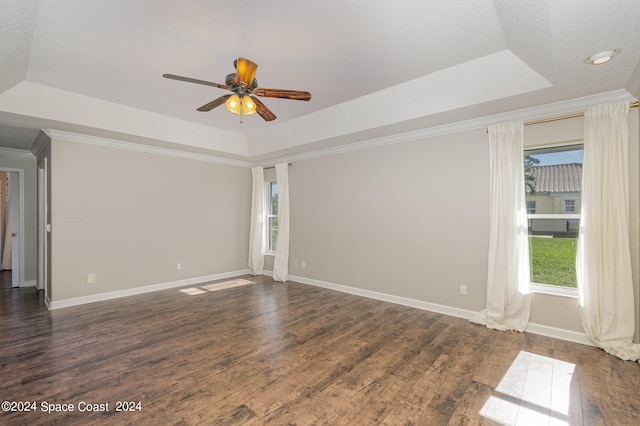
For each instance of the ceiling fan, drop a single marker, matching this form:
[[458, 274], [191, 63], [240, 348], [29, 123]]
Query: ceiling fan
[[245, 88]]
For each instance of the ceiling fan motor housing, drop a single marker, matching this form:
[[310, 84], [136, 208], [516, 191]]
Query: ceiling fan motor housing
[[230, 81]]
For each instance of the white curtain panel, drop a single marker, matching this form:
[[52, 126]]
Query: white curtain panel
[[7, 248], [508, 299], [603, 264], [257, 226], [7, 243], [4, 209], [281, 261]]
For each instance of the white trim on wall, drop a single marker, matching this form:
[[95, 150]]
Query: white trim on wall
[[58, 304], [149, 149], [15, 152], [559, 333]]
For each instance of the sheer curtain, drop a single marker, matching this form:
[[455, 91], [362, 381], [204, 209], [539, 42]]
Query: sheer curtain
[[281, 261], [508, 277], [256, 230], [8, 241], [605, 287]]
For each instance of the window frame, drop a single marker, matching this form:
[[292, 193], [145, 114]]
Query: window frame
[[543, 288], [269, 215]]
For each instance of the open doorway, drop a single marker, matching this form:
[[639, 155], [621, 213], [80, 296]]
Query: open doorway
[[10, 229]]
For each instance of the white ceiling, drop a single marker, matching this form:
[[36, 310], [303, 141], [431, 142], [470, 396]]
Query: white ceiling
[[374, 68]]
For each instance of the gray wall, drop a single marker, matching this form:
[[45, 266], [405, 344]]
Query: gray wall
[[408, 219], [129, 217]]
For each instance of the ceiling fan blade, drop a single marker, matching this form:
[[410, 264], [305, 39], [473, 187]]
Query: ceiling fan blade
[[193, 80], [245, 72], [214, 103], [281, 93], [263, 111]]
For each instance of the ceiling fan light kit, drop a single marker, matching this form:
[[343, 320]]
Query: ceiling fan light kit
[[244, 85], [243, 106]]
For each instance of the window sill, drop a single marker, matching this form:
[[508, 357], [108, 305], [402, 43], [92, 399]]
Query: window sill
[[269, 253], [554, 290]]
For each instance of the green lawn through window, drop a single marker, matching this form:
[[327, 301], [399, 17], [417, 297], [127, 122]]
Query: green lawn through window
[[553, 261]]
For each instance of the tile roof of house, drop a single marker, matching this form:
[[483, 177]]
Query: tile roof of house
[[558, 178]]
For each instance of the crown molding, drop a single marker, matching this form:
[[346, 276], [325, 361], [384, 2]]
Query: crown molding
[[15, 152], [131, 146], [528, 114], [571, 106]]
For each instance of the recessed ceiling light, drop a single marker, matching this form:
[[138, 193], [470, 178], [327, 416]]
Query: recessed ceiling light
[[602, 57]]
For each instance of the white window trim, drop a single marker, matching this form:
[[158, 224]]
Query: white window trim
[[554, 216], [553, 290], [550, 289], [267, 216]]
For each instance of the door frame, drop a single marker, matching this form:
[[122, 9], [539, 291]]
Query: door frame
[[20, 231], [43, 235]]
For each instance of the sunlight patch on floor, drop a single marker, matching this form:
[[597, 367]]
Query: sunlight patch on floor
[[216, 286], [535, 390], [227, 284], [192, 291]]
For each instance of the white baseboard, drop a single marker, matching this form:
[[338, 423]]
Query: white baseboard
[[58, 304], [31, 283], [47, 302], [543, 330], [559, 333], [385, 297]]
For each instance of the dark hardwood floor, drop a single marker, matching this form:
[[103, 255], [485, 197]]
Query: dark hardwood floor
[[273, 353], [5, 280]]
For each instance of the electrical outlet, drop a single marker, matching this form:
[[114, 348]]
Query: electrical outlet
[[91, 278], [303, 264], [178, 266], [463, 289], [295, 263]]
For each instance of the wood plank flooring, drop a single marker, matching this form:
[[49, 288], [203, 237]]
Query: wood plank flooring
[[285, 354], [5, 280]]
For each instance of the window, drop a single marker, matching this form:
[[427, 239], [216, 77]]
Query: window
[[531, 207], [272, 216], [569, 206], [553, 184]]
